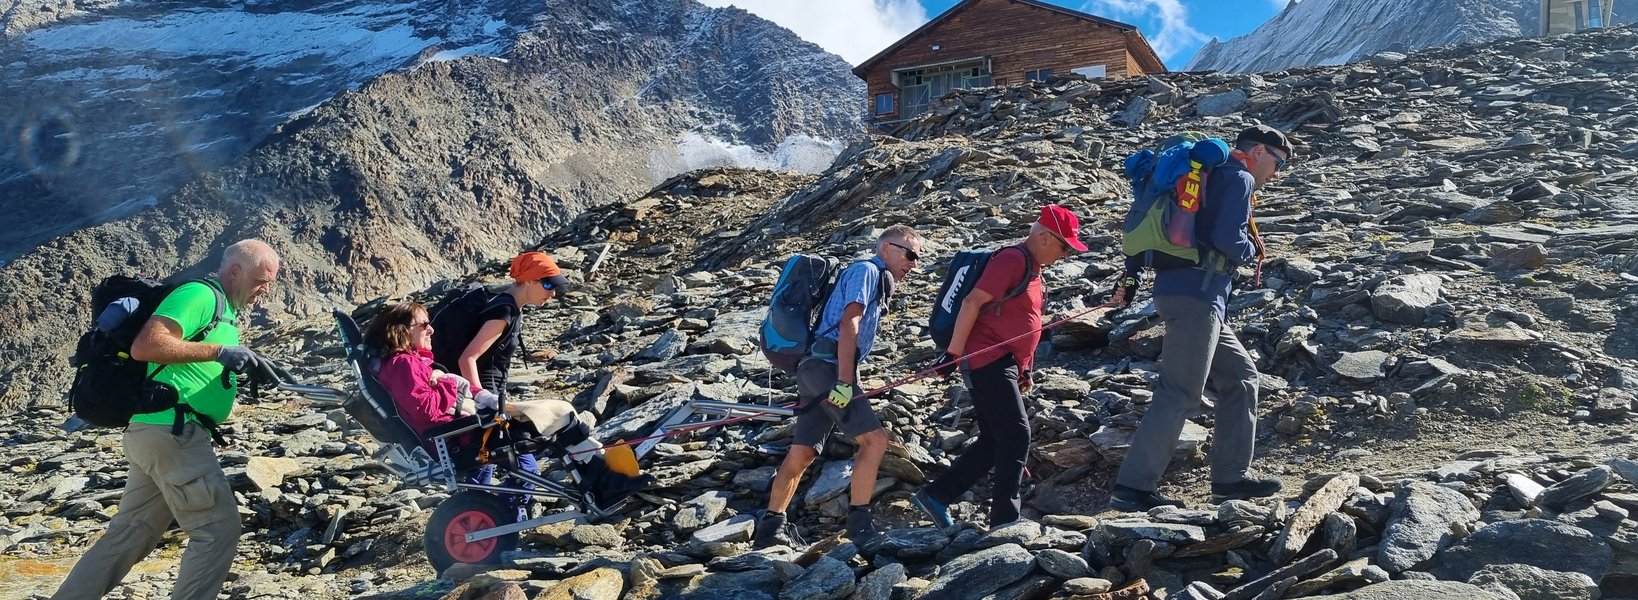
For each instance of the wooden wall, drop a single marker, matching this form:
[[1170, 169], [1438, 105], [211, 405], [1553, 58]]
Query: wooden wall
[[1017, 37]]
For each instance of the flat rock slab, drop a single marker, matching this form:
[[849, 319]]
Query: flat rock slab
[[1361, 366], [1419, 525], [1576, 487], [978, 574], [1327, 500], [1534, 583], [1407, 589]]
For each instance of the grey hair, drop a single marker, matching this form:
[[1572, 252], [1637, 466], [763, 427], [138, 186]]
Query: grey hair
[[1036, 227], [248, 253], [898, 233]]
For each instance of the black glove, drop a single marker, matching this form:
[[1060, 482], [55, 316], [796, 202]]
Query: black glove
[[946, 364], [243, 361]]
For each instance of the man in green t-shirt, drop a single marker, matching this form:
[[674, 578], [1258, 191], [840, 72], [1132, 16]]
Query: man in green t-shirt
[[174, 472]]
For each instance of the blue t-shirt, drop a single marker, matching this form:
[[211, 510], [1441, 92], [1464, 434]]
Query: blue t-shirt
[[857, 283], [1223, 228]]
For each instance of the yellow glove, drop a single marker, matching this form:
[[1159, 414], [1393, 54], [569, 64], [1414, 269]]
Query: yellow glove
[[841, 395]]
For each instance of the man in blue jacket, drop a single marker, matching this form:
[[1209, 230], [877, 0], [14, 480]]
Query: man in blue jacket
[[1200, 348]]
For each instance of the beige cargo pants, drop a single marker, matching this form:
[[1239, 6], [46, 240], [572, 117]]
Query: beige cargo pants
[[170, 477]]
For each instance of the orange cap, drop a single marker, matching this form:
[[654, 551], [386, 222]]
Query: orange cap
[[531, 266]]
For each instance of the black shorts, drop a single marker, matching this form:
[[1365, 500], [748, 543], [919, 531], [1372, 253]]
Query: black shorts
[[814, 380]]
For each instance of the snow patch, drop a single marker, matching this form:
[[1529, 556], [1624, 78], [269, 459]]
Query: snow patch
[[694, 151], [1343, 58]]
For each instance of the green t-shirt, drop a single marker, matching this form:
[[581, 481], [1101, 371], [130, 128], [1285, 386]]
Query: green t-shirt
[[199, 384]]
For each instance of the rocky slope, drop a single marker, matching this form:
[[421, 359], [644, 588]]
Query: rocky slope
[[1333, 32], [1445, 332], [424, 173]]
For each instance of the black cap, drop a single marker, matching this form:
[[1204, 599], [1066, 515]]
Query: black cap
[[1264, 134]]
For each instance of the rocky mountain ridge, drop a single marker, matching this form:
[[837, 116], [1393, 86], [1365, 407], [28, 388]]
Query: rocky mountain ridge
[[1334, 32], [1445, 333], [427, 172]]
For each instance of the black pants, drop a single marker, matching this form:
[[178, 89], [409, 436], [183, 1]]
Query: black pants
[[1002, 445]]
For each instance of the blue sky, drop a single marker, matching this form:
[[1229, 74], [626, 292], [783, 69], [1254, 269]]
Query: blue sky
[[857, 29]]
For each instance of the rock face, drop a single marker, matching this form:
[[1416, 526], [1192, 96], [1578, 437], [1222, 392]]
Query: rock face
[[1421, 525], [475, 144], [1545, 544], [1341, 31]]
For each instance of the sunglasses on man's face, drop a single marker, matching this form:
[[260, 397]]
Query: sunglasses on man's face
[[1279, 163], [908, 253]]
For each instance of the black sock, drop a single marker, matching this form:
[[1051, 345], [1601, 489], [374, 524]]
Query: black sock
[[863, 507]]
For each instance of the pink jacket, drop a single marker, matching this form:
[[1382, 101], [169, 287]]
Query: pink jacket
[[408, 378]]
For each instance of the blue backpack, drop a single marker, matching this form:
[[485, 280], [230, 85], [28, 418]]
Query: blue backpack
[[1168, 185], [799, 297], [959, 280]]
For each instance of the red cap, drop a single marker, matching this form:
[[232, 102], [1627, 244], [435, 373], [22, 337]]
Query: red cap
[[1064, 223]]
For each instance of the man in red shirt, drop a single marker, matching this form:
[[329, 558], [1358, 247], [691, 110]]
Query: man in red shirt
[[997, 377]]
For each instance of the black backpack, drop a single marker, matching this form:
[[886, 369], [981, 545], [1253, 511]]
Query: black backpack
[[455, 321], [959, 280], [110, 386]]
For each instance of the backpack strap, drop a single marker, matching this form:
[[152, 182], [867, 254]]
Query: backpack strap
[[882, 285], [1031, 270]]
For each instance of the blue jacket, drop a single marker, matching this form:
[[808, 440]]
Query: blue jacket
[[1222, 226]]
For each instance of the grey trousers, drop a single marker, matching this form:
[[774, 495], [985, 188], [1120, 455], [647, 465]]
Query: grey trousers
[[170, 477], [1199, 350]]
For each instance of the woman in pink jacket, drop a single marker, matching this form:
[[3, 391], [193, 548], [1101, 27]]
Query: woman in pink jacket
[[427, 397]]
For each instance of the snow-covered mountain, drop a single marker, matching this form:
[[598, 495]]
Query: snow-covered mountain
[[117, 107], [1333, 32], [399, 180]]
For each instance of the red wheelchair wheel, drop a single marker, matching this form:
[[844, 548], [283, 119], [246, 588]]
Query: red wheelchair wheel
[[463, 513]]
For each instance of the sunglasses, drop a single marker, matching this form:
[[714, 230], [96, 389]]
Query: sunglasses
[[908, 253], [1279, 163], [421, 324]]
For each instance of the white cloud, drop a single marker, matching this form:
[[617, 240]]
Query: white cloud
[[1170, 16], [853, 29]]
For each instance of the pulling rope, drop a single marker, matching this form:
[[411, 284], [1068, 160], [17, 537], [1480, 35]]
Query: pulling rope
[[912, 378]]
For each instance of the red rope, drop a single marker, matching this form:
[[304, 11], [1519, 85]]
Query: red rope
[[912, 378]]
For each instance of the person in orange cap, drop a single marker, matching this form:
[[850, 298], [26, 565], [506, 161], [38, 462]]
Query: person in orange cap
[[491, 341]]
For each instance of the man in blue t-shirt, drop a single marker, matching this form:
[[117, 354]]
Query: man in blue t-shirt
[[1200, 348], [827, 383]]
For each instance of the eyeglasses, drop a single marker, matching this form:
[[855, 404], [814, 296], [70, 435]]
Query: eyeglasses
[[421, 324], [908, 253], [1062, 244]]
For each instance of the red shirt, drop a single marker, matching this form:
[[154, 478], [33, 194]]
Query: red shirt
[[1009, 319]]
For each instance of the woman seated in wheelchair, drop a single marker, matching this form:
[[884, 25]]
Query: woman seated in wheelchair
[[427, 396]]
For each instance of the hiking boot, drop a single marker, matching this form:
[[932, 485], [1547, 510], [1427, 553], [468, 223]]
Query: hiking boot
[[935, 510], [1252, 486], [605, 489], [770, 531], [1135, 500], [860, 527]]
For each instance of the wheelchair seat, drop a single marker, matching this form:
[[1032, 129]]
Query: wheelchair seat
[[404, 452]]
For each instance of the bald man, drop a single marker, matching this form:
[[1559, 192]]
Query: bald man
[[192, 346]]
